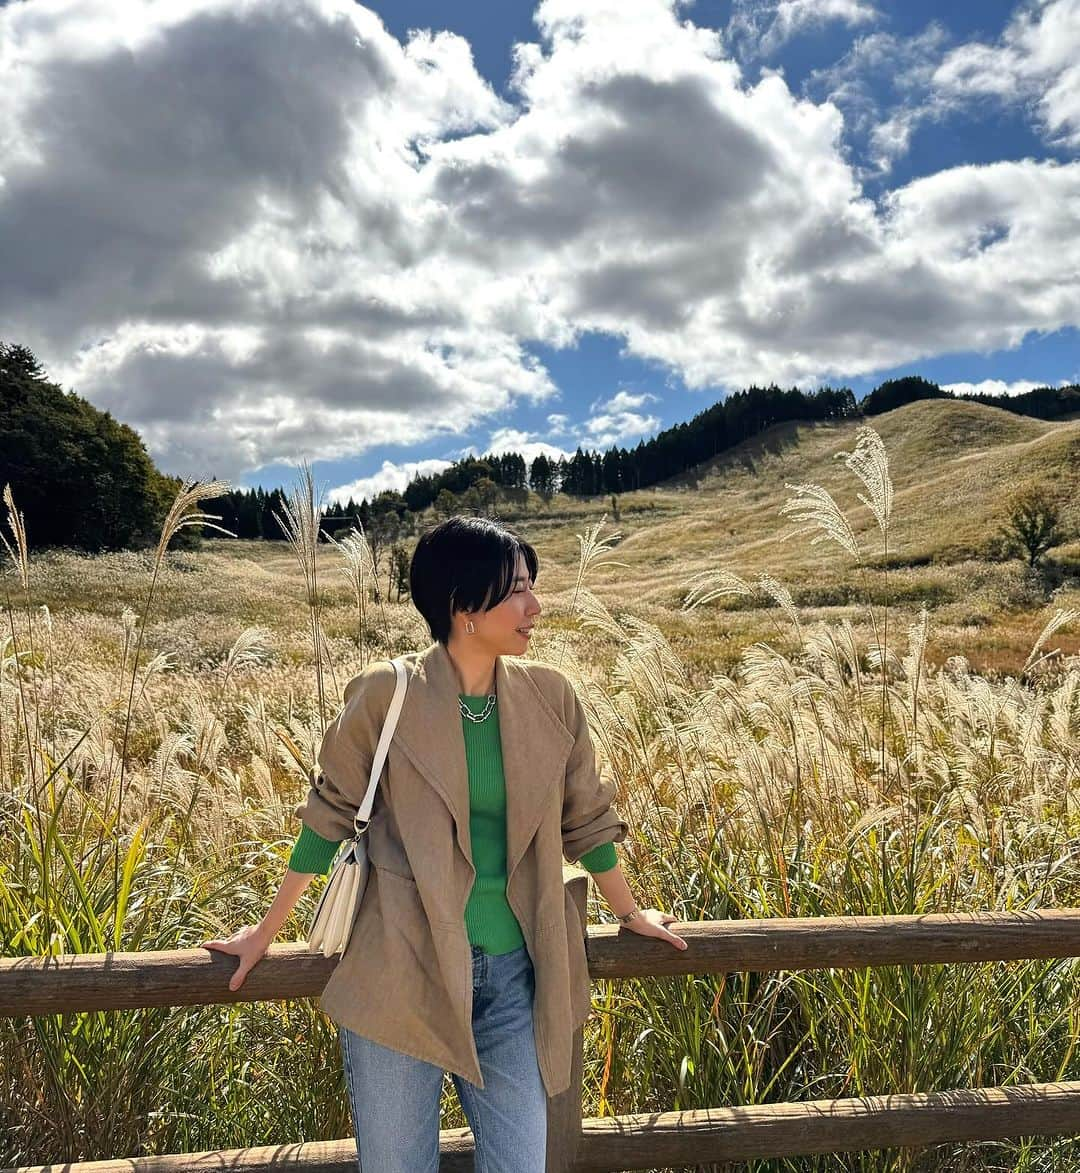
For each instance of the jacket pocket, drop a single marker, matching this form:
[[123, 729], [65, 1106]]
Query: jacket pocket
[[395, 964], [385, 851], [396, 876]]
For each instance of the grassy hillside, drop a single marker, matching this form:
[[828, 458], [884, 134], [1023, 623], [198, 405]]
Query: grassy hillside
[[951, 463]]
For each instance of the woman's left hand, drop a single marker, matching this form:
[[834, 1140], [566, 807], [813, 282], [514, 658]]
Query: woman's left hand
[[650, 922]]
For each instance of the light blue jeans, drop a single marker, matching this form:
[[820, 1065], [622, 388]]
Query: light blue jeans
[[395, 1098]]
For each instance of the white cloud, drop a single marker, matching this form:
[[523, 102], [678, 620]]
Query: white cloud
[[883, 85], [997, 387], [889, 85], [758, 28], [625, 401], [178, 175], [617, 421], [318, 393], [251, 272], [389, 476], [528, 447], [1036, 60]]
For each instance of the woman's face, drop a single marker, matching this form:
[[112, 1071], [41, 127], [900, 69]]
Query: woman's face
[[502, 630]]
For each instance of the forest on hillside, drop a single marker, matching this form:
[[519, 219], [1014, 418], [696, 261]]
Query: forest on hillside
[[85, 480]]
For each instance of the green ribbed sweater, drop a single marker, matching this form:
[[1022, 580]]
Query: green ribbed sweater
[[489, 919]]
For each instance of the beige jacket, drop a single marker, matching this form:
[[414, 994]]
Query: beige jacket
[[405, 978]]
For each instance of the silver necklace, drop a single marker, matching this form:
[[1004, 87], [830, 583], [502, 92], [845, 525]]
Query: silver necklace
[[478, 717]]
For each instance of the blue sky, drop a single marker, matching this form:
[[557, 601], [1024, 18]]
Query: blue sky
[[381, 238]]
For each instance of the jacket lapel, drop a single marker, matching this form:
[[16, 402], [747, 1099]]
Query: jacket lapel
[[535, 745]]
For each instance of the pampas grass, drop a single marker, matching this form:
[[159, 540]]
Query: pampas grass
[[302, 511], [16, 547], [592, 550], [825, 773], [185, 511], [359, 567]]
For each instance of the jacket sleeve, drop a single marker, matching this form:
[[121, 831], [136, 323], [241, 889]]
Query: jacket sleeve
[[339, 782], [588, 818]]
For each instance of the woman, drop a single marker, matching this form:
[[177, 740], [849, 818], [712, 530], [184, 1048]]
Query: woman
[[466, 954]]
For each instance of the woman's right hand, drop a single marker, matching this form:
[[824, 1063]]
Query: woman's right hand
[[248, 943]]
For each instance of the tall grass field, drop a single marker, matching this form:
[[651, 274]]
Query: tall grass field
[[816, 695]]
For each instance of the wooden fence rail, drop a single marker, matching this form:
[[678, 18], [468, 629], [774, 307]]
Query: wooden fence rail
[[197, 977], [703, 1136], [192, 977]]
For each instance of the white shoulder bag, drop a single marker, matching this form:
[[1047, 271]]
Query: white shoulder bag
[[333, 918]]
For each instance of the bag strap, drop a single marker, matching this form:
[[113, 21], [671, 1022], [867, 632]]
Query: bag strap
[[363, 814]]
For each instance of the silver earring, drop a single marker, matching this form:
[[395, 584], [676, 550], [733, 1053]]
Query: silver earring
[[470, 627]]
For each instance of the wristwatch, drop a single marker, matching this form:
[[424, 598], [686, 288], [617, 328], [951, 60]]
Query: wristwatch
[[628, 917]]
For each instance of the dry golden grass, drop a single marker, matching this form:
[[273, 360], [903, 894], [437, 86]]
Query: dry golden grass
[[819, 740]]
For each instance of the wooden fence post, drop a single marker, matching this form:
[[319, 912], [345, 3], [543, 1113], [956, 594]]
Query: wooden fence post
[[564, 1110]]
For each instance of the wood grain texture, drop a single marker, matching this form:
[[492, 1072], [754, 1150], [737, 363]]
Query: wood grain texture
[[199, 977], [659, 1140], [673, 1139]]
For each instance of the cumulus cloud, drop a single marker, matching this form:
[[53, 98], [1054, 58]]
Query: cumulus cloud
[[758, 28], [997, 387], [618, 420], [889, 85], [1036, 60], [397, 476], [266, 230], [178, 177], [323, 393], [526, 445], [390, 476], [760, 258]]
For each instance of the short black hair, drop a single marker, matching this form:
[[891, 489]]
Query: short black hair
[[464, 564]]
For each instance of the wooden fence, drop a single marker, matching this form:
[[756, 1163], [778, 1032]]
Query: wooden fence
[[197, 977]]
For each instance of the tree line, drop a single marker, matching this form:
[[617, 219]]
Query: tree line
[[1045, 403], [83, 479], [79, 477]]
